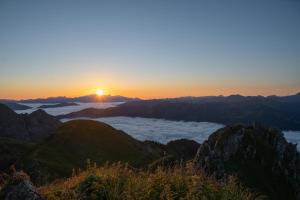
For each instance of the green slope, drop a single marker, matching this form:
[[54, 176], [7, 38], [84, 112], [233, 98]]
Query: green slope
[[79, 140]]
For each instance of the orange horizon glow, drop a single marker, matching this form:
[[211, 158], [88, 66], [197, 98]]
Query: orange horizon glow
[[149, 93]]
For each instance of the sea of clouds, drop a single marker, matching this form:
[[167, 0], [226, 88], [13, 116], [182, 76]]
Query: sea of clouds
[[159, 130]]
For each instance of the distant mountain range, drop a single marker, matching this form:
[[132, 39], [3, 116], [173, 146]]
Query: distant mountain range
[[274, 111], [14, 104], [235, 98], [282, 112], [64, 101], [82, 99]]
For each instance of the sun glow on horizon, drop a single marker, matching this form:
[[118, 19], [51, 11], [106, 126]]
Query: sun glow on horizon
[[100, 92]]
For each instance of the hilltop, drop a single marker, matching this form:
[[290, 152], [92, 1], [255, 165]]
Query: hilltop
[[76, 141]]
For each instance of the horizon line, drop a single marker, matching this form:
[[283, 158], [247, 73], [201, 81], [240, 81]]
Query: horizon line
[[185, 96]]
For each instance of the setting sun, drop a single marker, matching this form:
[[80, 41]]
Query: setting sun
[[100, 92]]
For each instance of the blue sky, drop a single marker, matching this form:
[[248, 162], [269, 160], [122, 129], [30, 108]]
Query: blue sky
[[149, 49]]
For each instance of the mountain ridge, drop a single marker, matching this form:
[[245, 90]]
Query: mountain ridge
[[119, 98], [81, 99], [282, 114]]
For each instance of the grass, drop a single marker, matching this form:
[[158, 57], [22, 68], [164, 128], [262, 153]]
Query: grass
[[121, 182]]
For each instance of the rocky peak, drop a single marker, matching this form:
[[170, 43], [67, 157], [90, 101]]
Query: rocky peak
[[33, 127], [260, 156]]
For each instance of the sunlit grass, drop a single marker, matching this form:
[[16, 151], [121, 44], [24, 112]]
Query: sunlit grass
[[119, 181]]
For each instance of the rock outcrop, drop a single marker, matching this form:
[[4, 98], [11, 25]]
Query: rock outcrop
[[26, 127], [20, 188], [259, 156]]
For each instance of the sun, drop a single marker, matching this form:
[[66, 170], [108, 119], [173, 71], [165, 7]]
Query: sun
[[99, 92]]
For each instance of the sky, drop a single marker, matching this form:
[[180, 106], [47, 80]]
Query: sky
[[149, 49]]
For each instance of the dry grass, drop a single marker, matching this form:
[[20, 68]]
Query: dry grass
[[120, 182]]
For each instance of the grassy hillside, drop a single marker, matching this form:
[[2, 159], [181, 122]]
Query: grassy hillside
[[79, 140], [12, 150], [118, 182]]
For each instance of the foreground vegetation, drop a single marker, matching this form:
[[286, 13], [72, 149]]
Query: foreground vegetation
[[119, 181]]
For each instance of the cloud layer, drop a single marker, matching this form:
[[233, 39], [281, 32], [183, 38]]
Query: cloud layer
[[158, 130]]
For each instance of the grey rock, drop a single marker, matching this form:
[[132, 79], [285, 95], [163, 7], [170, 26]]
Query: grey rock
[[20, 188]]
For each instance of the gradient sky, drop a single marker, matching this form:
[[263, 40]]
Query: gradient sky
[[149, 49]]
